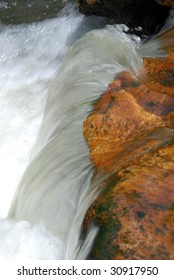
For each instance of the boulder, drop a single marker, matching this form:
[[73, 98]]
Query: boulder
[[130, 133], [136, 14]]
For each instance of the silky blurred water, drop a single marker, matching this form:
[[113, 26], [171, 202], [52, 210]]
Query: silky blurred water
[[30, 55]]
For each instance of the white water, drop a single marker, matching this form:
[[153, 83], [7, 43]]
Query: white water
[[47, 211], [30, 55]]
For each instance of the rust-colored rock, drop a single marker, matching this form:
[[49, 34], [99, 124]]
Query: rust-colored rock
[[135, 212], [127, 112], [168, 3], [131, 138]]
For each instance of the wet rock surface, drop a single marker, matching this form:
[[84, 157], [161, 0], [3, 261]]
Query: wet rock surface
[[16, 12], [136, 14], [130, 133]]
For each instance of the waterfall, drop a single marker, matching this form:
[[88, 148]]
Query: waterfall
[[51, 73]]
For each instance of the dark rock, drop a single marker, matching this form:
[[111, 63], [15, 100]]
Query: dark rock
[[136, 14]]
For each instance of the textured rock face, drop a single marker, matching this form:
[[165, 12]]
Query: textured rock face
[[135, 13], [131, 138]]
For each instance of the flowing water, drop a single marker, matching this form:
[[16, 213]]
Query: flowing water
[[46, 179]]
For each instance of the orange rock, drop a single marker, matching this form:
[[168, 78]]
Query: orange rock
[[130, 133], [123, 120], [160, 72], [135, 212]]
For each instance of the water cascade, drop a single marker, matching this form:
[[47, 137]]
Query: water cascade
[[45, 97]]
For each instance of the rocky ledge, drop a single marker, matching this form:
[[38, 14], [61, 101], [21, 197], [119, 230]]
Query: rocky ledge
[[130, 133]]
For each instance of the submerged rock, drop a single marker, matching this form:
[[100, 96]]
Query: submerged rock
[[136, 14], [16, 12], [130, 133]]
